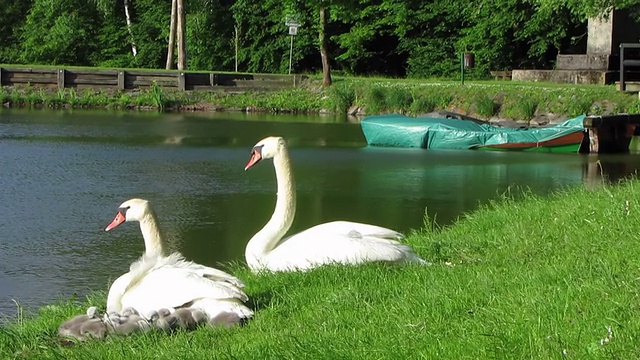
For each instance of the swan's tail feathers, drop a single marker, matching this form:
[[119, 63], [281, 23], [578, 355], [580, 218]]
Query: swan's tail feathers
[[226, 319], [418, 260], [217, 307]]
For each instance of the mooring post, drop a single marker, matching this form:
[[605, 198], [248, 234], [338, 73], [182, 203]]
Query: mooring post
[[61, 75], [181, 81], [121, 80]]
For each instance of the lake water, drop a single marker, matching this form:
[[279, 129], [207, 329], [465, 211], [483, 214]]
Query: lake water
[[63, 175]]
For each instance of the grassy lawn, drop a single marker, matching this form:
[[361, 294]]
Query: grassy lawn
[[532, 278]]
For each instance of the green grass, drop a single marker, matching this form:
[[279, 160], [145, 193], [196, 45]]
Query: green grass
[[483, 99], [523, 277]]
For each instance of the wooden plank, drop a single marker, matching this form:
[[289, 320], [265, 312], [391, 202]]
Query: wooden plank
[[151, 79], [133, 83], [73, 75], [112, 73], [262, 83], [97, 82], [31, 70]]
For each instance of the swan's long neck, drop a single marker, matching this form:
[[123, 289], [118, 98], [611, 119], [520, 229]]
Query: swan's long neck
[[154, 243], [265, 240]]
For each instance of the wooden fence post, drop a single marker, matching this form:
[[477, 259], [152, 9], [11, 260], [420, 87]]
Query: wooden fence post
[[61, 76], [213, 79], [121, 75], [1, 71], [181, 81]]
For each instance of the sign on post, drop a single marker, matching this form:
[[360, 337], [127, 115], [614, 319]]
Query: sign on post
[[293, 24]]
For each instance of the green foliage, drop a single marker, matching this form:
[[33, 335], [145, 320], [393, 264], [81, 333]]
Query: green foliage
[[376, 99], [399, 99], [58, 32], [12, 15], [423, 105], [485, 106], [341, 97], [522, 107], [394, 38], [151, 32]]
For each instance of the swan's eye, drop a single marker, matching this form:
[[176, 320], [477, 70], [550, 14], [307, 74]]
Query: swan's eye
[[123, 210]]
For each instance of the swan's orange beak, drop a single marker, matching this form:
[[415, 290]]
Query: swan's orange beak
[[255, 158], [119, 219]]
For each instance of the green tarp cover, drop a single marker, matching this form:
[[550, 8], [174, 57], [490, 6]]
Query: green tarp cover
[[396, 130]]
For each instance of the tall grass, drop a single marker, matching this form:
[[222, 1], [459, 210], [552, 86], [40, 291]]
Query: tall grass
[[341, 97], [522, 277], [485, 106]]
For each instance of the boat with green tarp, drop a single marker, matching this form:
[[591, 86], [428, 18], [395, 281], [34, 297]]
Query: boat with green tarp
[[396, 130]]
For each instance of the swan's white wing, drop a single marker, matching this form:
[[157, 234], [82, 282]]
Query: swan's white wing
[[145, 264], [172, 287], [351, 229], [209, 272], [339, 242], [116, 291]]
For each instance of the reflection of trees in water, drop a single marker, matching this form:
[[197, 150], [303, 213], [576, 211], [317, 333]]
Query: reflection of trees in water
[[598, 171]]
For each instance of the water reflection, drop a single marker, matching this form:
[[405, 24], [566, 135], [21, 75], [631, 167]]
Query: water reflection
[[64, 174]]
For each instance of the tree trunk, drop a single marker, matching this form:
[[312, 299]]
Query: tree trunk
[[172, 34], [134, 49], [324, 47], [236, 42], [182, 38]]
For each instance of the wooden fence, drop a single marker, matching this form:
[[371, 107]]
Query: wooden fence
[[135, 79]]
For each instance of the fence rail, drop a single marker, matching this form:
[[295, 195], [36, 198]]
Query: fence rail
[[135, 79]]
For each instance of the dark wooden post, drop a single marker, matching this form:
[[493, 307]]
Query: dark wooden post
[[182, 81], [1, 71], [61, 75], [121, 75]]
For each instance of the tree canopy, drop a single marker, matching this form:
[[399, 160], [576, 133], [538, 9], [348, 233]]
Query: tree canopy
[[414, 38]]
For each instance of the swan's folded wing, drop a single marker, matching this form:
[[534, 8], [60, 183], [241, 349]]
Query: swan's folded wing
[[340, 242], [178, 261], [171, 287], [351, 229]]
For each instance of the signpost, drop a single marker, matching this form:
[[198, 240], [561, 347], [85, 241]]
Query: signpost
[[293, 24]]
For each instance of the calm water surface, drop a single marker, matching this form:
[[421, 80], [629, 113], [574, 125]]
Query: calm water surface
[[63, 175]]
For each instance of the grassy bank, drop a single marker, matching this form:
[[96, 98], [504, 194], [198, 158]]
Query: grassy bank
[[483, 99], [532, 278]]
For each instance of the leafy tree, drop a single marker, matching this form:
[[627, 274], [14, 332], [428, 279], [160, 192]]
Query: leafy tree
[[264, 35], [13, 14], [151, 30], [113, 36], [585, 8], [209, 33], [371, 41], [59, 32], [429, 35]]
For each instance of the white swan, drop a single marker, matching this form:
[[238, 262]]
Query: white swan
[[158, 280], [334, 242]]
